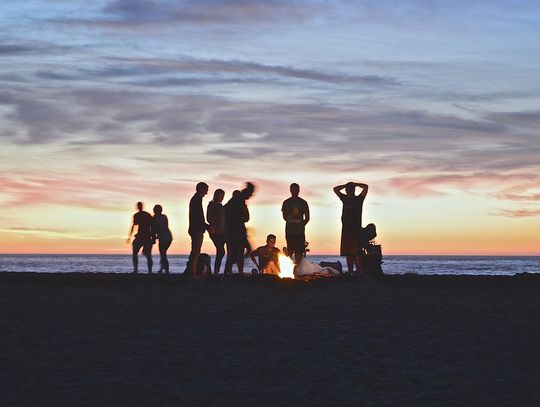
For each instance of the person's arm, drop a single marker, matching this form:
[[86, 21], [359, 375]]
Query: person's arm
[[337, 190], [364, 188], [131, 231], [153, 231], [246, 213], [211, 217], [306, 215], [284, 212], [254, 259], [210, 213]]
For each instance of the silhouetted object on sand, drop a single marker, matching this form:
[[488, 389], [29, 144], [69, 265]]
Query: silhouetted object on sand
[[373, 260], [236, 216], [333, 264], [143, 239], [351, 220], [197, 225], [164, 235], [204, 267], [215, 215], [295, 212]]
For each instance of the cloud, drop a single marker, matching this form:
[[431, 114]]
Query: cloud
[[208, 11], [530, 197], [318, 136], [15, 49], [527, 119], [196, 72], [518, 213], [441, 184], [38, 230], [90, 186], [159, 15]]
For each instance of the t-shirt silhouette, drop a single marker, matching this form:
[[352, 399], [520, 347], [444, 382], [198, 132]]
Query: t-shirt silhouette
[[144, 221]]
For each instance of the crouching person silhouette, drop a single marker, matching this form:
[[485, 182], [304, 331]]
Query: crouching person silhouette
[[143, 239], [268, 257]]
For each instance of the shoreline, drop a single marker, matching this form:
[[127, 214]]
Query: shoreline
[[262, 279]]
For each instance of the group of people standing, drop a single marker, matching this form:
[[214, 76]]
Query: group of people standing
[[226, 226]]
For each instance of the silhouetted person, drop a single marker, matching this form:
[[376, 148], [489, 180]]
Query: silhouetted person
[[144, 237], [164, 235], [197, 226], [351, 221], [215, 215], [236, 216], [268, 262], [296, 215]]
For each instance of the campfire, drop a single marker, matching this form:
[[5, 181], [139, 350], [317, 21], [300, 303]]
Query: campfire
[[286, 267]]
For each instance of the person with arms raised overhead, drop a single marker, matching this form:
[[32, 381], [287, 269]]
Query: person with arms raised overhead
[[295, 212], [351, 221], [197, 226], [144, 238], [164, 235]]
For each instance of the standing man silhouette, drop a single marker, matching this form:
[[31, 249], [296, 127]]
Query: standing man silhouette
[[144, 238], [236, 216], [163, 233], [197, 226], [215, 215], [296, 215]]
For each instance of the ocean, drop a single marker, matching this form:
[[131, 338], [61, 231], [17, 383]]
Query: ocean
[[424, 265]]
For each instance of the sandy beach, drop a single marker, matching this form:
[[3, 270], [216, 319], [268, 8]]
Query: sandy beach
[[122, 340]]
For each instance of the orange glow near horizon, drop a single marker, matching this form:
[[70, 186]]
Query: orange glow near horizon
[[455, 224], [104, 232]]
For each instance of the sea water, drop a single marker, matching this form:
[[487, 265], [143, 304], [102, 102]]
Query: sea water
[[425, 265]]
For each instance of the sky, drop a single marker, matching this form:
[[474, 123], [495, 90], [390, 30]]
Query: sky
[[434, 104]]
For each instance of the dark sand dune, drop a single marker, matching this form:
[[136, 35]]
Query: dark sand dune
[[115, 340]]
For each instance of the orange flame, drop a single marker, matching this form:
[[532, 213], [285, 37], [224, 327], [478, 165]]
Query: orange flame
[[286, 267]]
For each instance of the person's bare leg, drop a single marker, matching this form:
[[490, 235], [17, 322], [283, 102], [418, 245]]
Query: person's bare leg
[[219, 258], [194, 264], [150, 262], [350, 261], [135, 260], [358, 263], [240, 262]]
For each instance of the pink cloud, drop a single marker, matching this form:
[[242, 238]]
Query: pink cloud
[[435, 185], [519, 213], [99, 187]]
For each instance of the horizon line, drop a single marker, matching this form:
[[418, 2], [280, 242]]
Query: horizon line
[[311, 255]]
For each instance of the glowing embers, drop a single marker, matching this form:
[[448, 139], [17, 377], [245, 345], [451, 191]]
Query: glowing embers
[[286, 267]]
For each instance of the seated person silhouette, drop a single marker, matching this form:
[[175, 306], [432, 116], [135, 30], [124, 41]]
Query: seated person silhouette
[[268, 262]]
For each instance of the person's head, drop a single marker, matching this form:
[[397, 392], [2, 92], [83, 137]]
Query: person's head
[[139, 206], [295, 190], [219, 194], [271, 240], [248, 190], [202, 188], [236, 193], [158, 209], [349, 188]]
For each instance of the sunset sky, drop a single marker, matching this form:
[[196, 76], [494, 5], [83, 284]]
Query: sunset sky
[[434, 104]]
